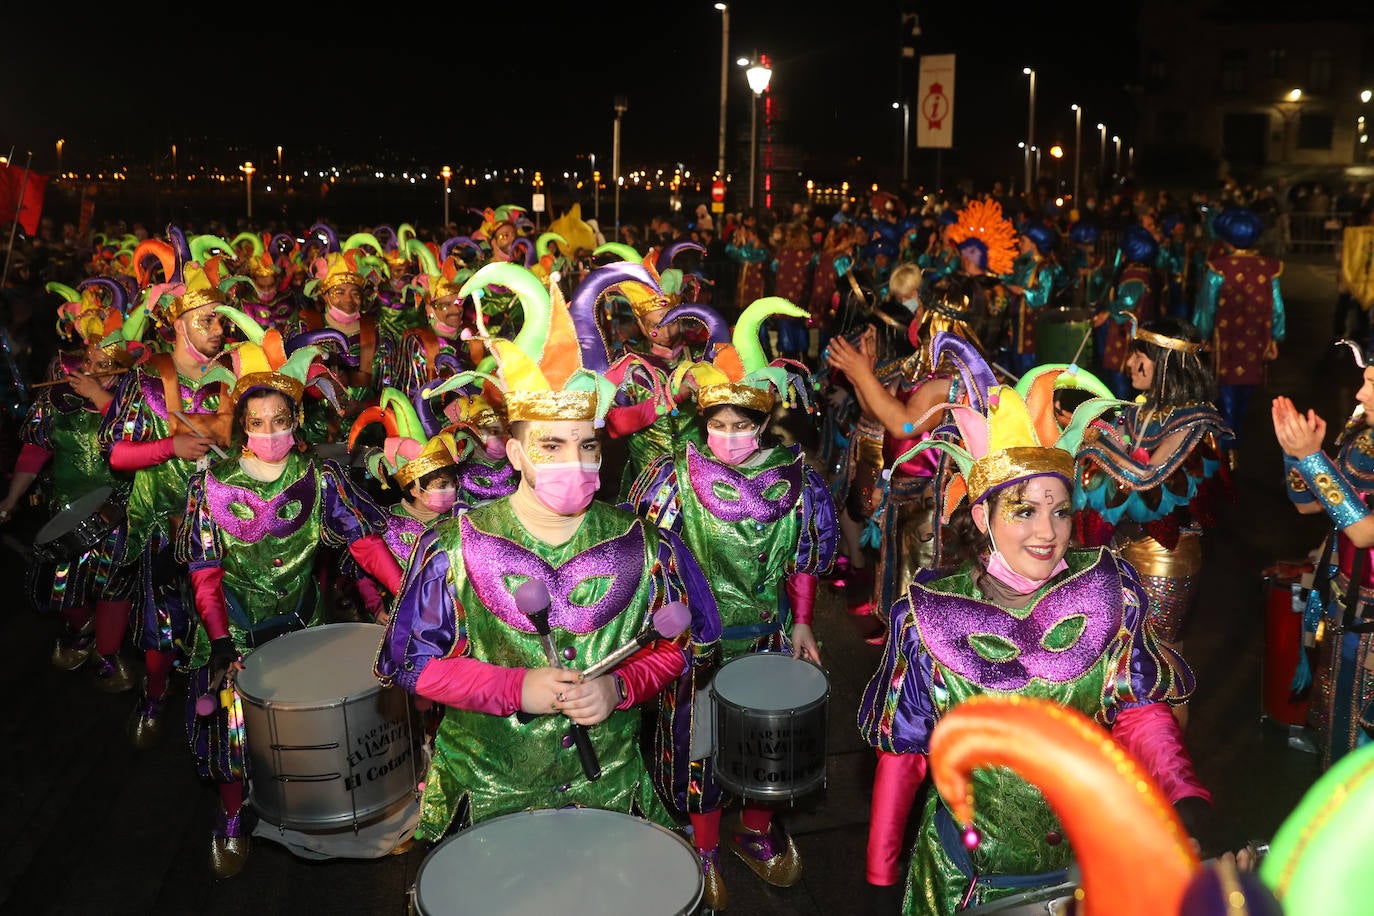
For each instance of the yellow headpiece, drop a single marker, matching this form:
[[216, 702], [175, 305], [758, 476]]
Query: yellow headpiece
[[265, 360], [338, 268], [407, 455]]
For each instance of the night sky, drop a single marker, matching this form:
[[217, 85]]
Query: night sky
[[537, 87]]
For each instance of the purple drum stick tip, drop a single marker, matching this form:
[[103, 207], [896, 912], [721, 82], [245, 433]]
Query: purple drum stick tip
[[205, 704], [531, 597], [672, 619]]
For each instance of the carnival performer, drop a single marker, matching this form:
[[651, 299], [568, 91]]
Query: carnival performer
[[263, 259], [1133, 296], [423, 469], [899, 409], [1150, 484], [794, 268], [941, 256], [1337, 666], [752, 255], [1240, 311], [438, 349], [1015, 611], [459, 633], [253, 575], [1035, 278], [1175, 262], [987, 244], [832, 260], [482, 470], [762, 555], [164, 422], [91, 592]]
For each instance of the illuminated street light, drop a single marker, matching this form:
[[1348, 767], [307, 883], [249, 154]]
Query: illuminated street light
[[60, 144], [758, 76], [906, 135], [1030, 122], [1294, 95], [248, 170], [446, 173], [724, 10], [1077, 147]]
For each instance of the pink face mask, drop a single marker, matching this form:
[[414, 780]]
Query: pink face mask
[[1001, 570], [440, 500], [494, 447], [445, 330], [342, 317], [566, 487], [732, 448], [272, 447]]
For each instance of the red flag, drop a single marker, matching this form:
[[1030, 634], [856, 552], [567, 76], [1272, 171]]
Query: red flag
[[21, 196]]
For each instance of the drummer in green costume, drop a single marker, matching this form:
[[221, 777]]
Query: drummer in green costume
[[253, 525], [458, 637], [1020, 613]]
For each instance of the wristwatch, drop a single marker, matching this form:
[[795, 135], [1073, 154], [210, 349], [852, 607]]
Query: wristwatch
[[621, 690]]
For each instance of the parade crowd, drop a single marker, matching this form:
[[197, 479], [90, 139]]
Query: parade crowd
[[1026, 419]]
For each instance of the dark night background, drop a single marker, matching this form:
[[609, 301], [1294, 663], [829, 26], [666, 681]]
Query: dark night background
[[533, 85]]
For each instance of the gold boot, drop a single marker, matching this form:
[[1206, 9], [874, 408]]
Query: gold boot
[[148, 723], [714, 895], [771, 855], [73, 647], [112, 674], [229, 846]]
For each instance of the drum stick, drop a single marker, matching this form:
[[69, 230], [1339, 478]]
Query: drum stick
[[669, 621], [532, 598], [183, 418], [63, 381], [1081, 344]]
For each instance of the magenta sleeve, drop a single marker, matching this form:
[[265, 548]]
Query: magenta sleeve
[[207, 583], [895, 783], [1152, 735], [376, 558], [127, 455], [649, 670], [467, 683], [801, 592], [31, 459], [631, 418]]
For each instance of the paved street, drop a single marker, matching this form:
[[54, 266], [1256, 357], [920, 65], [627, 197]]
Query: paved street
[[89, 825]]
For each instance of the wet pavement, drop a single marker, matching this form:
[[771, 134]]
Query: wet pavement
[[88, 824]]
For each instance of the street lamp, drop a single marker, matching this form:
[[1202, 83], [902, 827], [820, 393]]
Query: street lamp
[[906, 135], [758, 76], [248, 170], [1077, 149], [1365, 96], [1117, 160], [724, 83], [446, 173], [1030, 122], [596, 189], [621, 103], [60, 144], [1101, 152], [174, 160], [279, 161], [1025, 156]]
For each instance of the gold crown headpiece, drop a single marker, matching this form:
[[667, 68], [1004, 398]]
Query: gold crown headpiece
[[407, 454]]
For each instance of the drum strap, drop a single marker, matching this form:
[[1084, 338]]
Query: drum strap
[[751, 630], [953, 844], [269, 629]]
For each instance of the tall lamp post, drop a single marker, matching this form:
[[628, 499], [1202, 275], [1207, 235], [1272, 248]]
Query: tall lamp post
[[596, 190], [1116, 163], [758, 76], [1030, 123], [279, 162], [60, 144], [1102, 154], [1362, 129], [906, 135], [621, 103], [174, 160], [248, 170], [447, 174], [724, 83], [1077, 148]]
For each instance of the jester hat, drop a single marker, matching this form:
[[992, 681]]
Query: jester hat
[[644, 299], [1116, 817], [265, 360], [438, 277], [982, 226], [1005, 435], [94, 313], [736, 371], [187, 283], [540, 375], [346, 266], [407, 454]]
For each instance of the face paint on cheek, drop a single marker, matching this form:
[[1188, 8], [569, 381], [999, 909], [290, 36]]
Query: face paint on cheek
[[1010, 509], [533, 453]]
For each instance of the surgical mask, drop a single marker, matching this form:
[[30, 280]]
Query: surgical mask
[[494, 447], [445, 330], [1001, 570], [732, 448], [272, 447], [566, 487], [341, 317], [440, 500]]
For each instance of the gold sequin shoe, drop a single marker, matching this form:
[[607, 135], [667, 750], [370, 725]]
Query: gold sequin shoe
[[148, 722], [74, 646], [112, 674], [771, 855], [229, 845], [714, 896]]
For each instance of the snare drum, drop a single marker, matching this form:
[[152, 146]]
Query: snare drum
[[1285, 601], [560, 860], [1046, 901], [78, 527], [328, 745], [769, 718]]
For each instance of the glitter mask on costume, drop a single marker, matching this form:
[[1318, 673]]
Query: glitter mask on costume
[[247, 517], [712, 481]]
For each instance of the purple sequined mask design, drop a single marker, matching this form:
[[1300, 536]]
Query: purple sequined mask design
[[952, 625], [750, 504], [266, 520], [486, 482], [155, 396], [500, 557]]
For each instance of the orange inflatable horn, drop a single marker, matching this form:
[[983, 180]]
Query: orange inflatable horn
[[1133, 851]]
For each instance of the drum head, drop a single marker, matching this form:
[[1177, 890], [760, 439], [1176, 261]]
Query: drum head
[[319, 665], [79, 509], [771, 680], [566, 861]]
